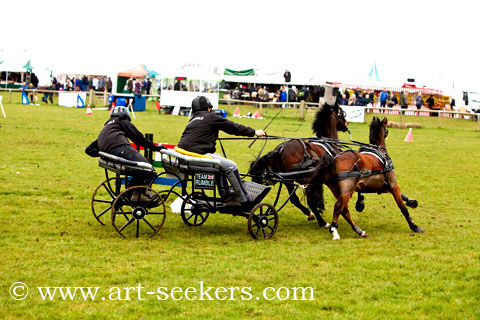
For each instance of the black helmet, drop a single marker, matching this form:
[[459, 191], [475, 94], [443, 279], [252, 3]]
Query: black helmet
[[201, 103], [121, 112]]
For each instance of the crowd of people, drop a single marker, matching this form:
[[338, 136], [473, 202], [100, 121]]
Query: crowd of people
[[348, 97], [138, 86], [275, 93]]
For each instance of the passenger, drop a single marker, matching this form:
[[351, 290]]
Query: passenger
[[200, 136], [113, 139]]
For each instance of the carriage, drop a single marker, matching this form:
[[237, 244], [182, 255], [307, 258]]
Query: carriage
[[141, 210]]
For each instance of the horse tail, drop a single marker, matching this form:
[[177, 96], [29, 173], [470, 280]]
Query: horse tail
[[321, 174], [261, 165]]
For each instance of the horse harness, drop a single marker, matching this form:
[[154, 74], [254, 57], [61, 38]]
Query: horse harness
[[308, 161], [356, 173]]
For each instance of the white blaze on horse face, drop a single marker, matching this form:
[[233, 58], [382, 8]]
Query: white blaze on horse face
[[336, 236]]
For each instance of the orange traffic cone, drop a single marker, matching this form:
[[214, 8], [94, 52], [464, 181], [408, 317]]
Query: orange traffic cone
[[257, 115], [89, 110], [236, 114], [409, 137]]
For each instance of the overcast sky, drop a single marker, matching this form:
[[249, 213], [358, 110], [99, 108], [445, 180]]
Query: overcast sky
[[432, 41]]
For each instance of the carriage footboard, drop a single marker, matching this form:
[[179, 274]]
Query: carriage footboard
[[256, 190]]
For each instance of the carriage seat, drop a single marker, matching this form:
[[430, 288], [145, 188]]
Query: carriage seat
[[177, 162], [122, 166]]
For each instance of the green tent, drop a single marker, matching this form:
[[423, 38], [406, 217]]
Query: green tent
[[28, 66], [247, 72]]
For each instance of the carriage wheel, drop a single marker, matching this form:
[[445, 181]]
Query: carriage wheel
[[194, 212], [139, 210], [103, 197], [263, 221]]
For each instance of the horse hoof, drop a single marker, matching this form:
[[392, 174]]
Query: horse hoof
[[412, 203], [311, 217], [336, 238], [364, 234], [360, 206], [419, 230], [327, 226]]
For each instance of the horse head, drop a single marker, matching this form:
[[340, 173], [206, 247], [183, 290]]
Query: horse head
[[342, 123], [262, 166], [378, 131], [329, 120]]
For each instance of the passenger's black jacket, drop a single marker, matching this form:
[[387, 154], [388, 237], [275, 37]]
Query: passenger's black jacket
[[116, 132], [201, 133]]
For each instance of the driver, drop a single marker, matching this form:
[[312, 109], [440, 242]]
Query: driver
[[200, 136]]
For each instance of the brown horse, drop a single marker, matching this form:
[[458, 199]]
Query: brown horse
[[368, 170], [300, 155]]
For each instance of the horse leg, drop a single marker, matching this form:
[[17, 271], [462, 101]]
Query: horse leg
[[296, 202], [360, 205], [397, 195], [313, 206], [356, 228], [340, 205], [412, 203]]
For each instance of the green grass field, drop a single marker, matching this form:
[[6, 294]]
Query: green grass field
[[49, 237]]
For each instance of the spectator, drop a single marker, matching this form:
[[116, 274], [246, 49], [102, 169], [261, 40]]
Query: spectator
[[367, 100], [149, 85], [137, 90], [130, 85], [292, 94], [95, 83], [392, 100], [353, 100], [430, 102], [84, 83], [419, 101], [360, 100], [283, 94], [34, 81], [68, 85], [404, 100], [452, 104], [48, 95], [383, 98], [343, 101], [109, 85], [177, 86], [32, 93], [144, 86], [287, 75], [101, 84]]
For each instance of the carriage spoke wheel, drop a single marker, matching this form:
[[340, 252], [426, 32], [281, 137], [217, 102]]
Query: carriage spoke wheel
[[103, 198], [263, 221], [194, 212], [138, 211]]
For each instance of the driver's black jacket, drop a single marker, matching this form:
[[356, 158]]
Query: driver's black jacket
[[201, 133], [116, 132]]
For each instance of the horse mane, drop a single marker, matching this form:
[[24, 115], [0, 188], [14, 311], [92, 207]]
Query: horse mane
[[375, 128], [321, 119]]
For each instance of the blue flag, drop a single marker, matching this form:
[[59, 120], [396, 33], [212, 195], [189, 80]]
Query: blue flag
[[374, 72], [25, 98], [80, 102]]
